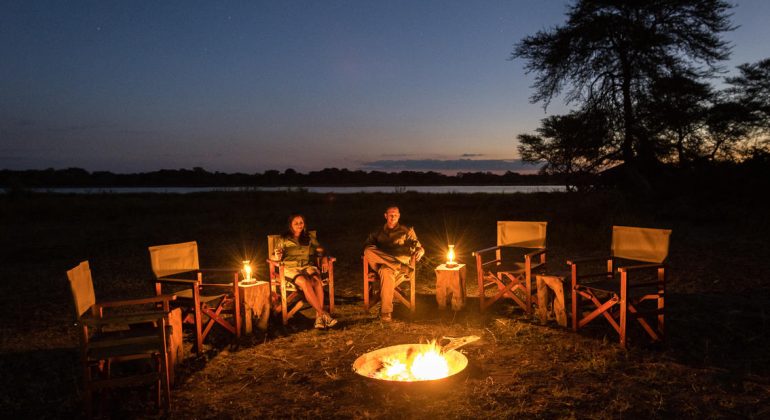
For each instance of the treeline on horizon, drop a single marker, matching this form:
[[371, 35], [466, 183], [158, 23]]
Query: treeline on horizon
[[199, 177]]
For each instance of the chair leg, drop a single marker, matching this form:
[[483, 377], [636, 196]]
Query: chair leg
[[575, 297], [198, 321], [165, 379], [331, 288], [623, 307], [366, 285], [236, 306], [87, 392], [412, 292]]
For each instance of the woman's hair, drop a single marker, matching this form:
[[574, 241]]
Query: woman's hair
[[304, 237]]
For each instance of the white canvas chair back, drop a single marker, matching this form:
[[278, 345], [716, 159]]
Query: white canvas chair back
[[82, 288], [172, 259], [272, 242], [521, 234], [640, 244]]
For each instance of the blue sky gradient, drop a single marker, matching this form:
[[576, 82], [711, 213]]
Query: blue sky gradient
[[256, 85]]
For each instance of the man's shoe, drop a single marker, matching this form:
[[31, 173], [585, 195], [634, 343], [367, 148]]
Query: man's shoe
[[386, 317]]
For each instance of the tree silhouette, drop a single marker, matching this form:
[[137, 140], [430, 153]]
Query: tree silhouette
[[576, 145], [609, 52]]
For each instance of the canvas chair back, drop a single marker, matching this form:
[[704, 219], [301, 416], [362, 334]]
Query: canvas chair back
[[640, 244], [521, 234], [82, 288], [172, 259]]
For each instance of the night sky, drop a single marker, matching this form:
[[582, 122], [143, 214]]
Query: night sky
[[131, 86]]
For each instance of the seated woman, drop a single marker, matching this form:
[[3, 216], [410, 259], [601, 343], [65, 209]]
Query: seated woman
[[297, 249]]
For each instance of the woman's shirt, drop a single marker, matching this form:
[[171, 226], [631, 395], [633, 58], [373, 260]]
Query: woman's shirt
[[297, 255]]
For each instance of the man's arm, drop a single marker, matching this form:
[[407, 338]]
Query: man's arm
[[418, 249]]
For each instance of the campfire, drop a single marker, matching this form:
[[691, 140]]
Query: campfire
[[414, 362]]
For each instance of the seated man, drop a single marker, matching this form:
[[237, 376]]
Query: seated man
[[388, 251]]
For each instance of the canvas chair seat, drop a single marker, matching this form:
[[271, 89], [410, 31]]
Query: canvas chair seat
[[509, 274], [510, 267], [133, 336], [188, 294], [288, 297], [619, 292], [176, 267], [124, 343]]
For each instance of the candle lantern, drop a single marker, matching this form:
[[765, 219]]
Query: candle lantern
[[450, 257], [247, 271]]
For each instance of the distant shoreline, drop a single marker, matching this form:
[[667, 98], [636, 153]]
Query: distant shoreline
[[331, 189]]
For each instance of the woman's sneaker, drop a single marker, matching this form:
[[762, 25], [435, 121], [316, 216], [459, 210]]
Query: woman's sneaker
[[329, 321], [320, 323]]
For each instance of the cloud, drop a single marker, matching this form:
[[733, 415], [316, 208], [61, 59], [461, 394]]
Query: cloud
[[451, 166]]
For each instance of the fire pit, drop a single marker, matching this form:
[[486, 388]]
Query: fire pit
[[414, 362]]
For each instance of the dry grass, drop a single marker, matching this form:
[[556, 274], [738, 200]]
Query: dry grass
[[714, 365]]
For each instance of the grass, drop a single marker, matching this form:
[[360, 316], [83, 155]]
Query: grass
[[715, 362]]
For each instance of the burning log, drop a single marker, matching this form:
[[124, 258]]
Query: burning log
[[414, 362]]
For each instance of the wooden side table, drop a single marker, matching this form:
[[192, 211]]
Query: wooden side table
[[256, 301], [450, 285]]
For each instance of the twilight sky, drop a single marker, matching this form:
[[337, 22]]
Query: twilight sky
[[131, 86]]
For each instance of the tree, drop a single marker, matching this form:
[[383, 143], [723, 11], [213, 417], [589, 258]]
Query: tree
[[609, 52], [577, 144], [751, 90], [674, 117]]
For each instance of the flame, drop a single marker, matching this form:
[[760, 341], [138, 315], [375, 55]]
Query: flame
[[247, 269], [450, 256], [409, 366]]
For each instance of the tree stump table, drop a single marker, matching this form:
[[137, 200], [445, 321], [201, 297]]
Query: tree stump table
[[256, 302], [450, 286]]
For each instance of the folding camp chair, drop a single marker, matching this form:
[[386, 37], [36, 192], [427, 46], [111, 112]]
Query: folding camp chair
[[125, 341], [520, 251], [402, 283], [177, 265], [637, 251], [283, 289]]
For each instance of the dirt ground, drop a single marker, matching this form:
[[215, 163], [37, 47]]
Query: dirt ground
[[714, 363]]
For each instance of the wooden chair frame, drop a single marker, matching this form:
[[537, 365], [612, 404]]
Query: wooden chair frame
[[99, 350], [196, 304], [492, 266], [616, 298], [283, 290], [370, 276], [507, 282]]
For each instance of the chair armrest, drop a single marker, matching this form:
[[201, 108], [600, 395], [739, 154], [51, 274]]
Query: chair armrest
[[535, 253], [587, 259], [632, 268], [219, 270], [481, 251], [590, 275], [133, 318], [202, 285], [138, 301], [170, 280]]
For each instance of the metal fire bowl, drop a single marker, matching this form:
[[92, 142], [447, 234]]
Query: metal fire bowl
[[368, 364]]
